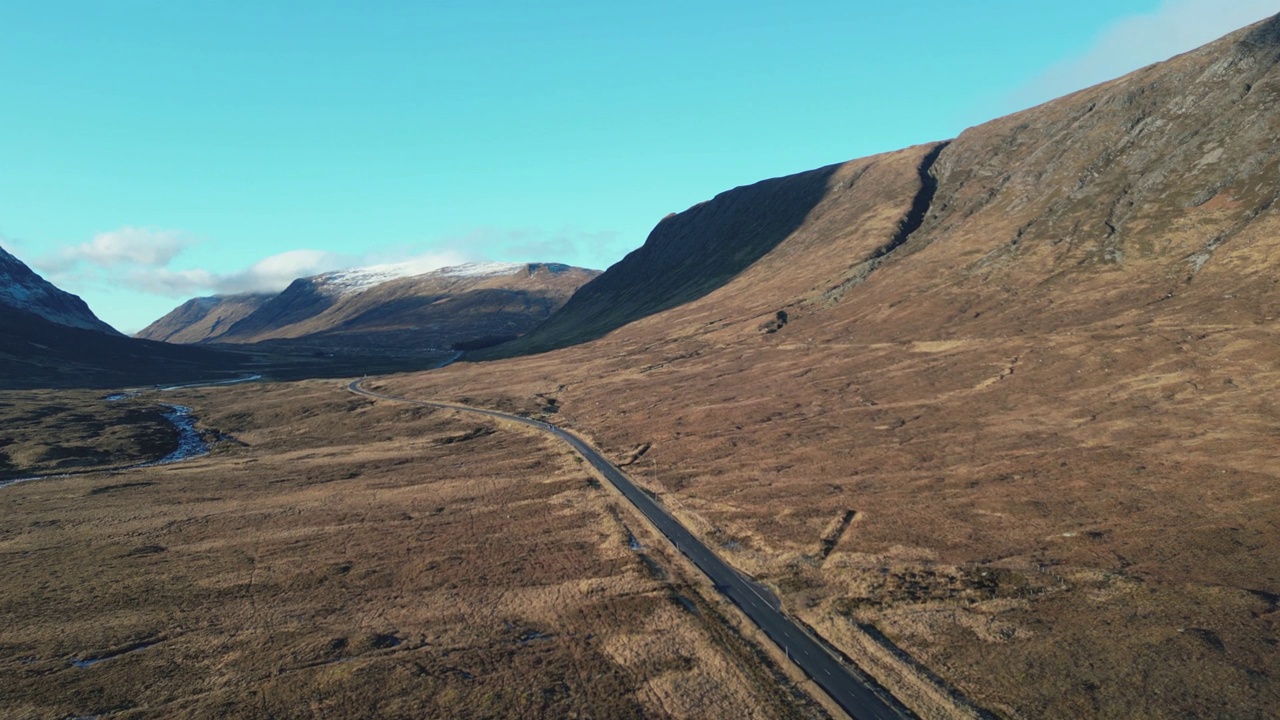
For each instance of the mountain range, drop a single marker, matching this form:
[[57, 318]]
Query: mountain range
[[381, 309], [1156, 184]]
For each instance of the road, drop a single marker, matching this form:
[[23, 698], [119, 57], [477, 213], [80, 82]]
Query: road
[[845, 685]]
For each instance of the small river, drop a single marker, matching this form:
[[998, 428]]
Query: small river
[[190, 445]]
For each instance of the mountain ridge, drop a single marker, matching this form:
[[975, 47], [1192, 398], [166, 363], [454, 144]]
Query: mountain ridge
[[1143, 168], [23, 289], [398, 308]]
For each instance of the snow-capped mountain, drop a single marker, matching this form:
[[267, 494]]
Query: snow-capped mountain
[[384, 308], [357, 280], [22, 289]]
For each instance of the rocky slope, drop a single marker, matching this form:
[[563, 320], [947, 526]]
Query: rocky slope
[[1006, 404], [22, 289], [381, 309]]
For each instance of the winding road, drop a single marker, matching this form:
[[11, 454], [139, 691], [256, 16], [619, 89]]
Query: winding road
[[844, 684]]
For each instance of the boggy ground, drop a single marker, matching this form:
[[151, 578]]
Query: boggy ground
[[1073, 523], [336, 557], [43, 432]]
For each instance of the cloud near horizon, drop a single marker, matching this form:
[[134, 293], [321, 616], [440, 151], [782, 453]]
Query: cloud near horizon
[[1177, 26], [128, 245], [269, 275], [572, 246], [142, 259]]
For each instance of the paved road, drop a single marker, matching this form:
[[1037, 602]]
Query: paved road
[[845, 685]]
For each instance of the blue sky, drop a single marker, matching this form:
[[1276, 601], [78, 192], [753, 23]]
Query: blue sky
[[152, 151]]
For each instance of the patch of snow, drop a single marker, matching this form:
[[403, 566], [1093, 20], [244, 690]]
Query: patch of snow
[[481, 269], [347, 282]]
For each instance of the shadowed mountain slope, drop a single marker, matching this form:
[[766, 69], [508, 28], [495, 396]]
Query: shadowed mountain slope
[[22, 289], [203, 318], [50, 338], [687, 256], [37, 353]]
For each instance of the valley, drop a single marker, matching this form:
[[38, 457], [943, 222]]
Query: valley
[[990, 421]]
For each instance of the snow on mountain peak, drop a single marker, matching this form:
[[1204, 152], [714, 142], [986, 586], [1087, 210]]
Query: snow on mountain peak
[[346, 282]]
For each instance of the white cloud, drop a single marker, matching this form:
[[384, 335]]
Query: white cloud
[[170, 283], [142, 259], [274, 273], [271, 274], [1175, 27], [128, 245], [587, 248]]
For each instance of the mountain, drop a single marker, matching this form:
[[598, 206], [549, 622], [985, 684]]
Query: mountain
[[203, 318], [22, 289], [394, 308], [50, 338], [37, 353], [1004, 404], [1132, 187]]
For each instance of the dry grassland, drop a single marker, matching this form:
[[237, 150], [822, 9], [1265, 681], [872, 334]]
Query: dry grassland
[[336, 557], [1067, 524], [43, 432]]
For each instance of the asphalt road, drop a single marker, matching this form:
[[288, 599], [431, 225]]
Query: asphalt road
[[845, 685]]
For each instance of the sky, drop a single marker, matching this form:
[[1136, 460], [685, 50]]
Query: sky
[[153, 151]]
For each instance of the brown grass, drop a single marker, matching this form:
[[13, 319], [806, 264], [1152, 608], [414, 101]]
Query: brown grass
[[1067, 524], [46, 432], [355, 559]]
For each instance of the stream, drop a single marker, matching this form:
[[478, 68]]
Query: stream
[[190, 445]]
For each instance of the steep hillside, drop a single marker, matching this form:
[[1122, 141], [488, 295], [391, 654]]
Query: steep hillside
[[50, 338], [1156, 188], [22, 289], [380, 309], [203, 318], [1006, 405], [37, 353], [1131, 187], [687, 256]]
